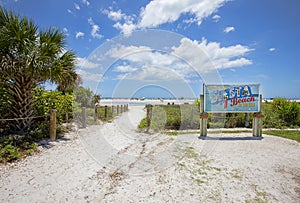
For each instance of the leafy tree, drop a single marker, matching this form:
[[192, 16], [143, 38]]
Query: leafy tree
[[84, 96], [96, 98], [30, 56]]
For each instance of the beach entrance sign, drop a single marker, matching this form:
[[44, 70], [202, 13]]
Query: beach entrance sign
[[231, 98]]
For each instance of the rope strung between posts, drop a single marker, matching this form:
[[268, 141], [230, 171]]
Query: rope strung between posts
[[32, 117], [15, 119]]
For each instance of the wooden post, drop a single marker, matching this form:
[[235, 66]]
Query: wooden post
[[83, 117], [257, 121], [96, 113], [118, 109], [53, 124], [121, 108], [247, 117], [149, 116], [113, 110], [106, 113], [203, 117]]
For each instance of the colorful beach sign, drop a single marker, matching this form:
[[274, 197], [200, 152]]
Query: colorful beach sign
[[231, 98]]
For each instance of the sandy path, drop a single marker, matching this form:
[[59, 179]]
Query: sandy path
[[114, 163]]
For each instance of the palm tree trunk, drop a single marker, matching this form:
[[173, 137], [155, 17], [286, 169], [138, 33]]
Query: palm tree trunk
[[22, 103]]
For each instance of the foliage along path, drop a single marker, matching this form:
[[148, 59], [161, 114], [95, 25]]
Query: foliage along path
[[113, 162]]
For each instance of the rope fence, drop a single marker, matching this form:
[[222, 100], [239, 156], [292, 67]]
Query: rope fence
[[109, 112], [15, 119]]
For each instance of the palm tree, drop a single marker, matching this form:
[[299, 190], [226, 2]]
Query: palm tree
[[69, 78], [30, 57], [96, 98]]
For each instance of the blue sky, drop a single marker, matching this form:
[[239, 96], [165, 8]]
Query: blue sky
[[164, 48]]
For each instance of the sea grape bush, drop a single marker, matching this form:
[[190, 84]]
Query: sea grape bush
[[47, 100], [282, 113]]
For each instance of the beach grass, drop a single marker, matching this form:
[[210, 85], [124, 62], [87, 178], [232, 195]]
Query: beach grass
[[289, 134]]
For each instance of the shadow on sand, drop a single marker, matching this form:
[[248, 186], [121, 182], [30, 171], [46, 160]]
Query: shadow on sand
[[229, 138], [48, 143]]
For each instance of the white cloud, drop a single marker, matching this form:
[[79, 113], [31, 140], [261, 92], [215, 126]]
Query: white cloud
[[158, 12], [229, 29], [77, 7], [114, 15], [95, 29], [122, 51], [124, 22], [94, 32], [85, 2], [186, 59], [88, 76], [65, 30], [126, 28], [79, 34], [86, 64], [141, 57], [272, 49], [204, 56], [69, 11], [216, 18], [125, 69], [118, 16], [190, 21], [153, 74]]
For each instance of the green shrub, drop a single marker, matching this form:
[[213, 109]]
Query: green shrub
[[10, 153], [234, 120], [143, 124], [110, 113], [189, 117], [281, 113], [13, 147], [288, 112], [173, 117], [270, 119], [77, 114], [47, 100], [278, 114], [159, 118]]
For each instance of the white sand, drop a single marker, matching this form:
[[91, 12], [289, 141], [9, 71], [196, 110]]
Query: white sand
[[114, 163]]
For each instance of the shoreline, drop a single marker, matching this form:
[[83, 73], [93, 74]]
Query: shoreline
[[139, 102]]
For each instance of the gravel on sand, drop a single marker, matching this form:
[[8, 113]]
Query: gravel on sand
[[113, 162]]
